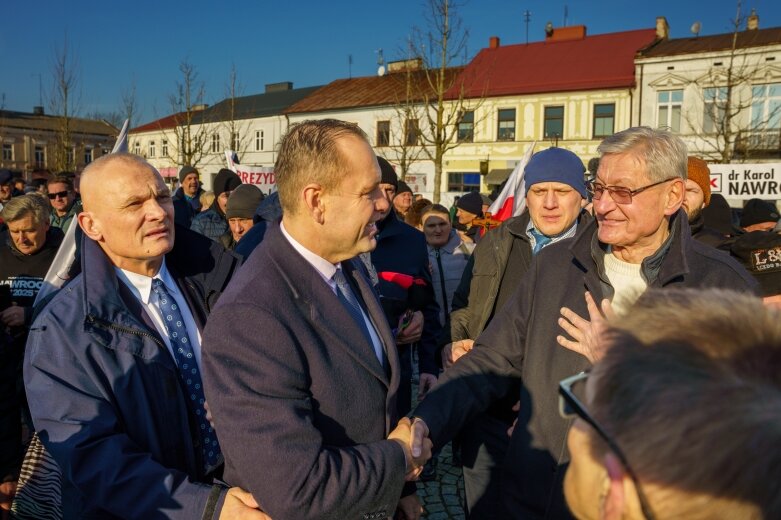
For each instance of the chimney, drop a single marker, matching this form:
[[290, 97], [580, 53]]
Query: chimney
[[752, 23], [493, 42], [279, 87], [37, 110], [560, 34], [199, 107], [662, 28]]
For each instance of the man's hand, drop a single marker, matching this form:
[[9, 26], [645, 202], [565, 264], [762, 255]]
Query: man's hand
[[209, 416], [241, 505], [415, 459], [412, 332], [13, 316], [409, 508], [453, 351], [426, 383], [7, 493], [588, 336]]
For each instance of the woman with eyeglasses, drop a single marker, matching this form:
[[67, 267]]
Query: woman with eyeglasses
[[682, 417]]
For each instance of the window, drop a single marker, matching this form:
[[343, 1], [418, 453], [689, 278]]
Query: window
[[8, 152], [766, 106], [259, 140], [88, 153], [151, 149], [215, 143], [506, 129], [164, 148], [466, 127], [668, 104], [604, 119], [137, 148], [40, 156], [463, 181], [714, 100], [411, 132], [383, 133], [554, 122], [235, 140]]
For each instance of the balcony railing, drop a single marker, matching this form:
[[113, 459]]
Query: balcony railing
[[761, 143]]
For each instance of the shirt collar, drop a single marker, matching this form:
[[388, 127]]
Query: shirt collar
[[323, 266], [141, 285]]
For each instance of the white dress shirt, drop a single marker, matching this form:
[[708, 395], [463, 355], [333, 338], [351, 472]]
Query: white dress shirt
[[327, 270], [141, 287]]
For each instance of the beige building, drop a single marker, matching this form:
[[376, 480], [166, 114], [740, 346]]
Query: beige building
[[29, 141]]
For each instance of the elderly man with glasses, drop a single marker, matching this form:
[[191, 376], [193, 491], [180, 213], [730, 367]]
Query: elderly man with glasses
[[548, 331]]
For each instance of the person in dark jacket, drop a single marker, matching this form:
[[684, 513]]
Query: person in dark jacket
[[402, 249], [468, 208], [27, 249], [547, 331], [242, 204], [555, 195], [212, 222], [64, 202], [697, 198], [111, 368], [269, 212], [187, 197]]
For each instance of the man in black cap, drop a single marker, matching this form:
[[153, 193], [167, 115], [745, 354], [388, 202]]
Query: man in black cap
[[469, 207], [186, 199], [242, 204], [760, 254], [403, 199], [212, 222], [759, 215]]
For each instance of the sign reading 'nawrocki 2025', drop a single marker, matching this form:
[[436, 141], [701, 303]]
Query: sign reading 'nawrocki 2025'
[[746, 181]]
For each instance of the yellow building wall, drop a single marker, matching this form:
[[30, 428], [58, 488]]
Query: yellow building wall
[[529, 126]]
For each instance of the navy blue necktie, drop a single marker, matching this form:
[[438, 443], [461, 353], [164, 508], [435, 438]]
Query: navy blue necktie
[[346, 296], [540, 240], [189, 373]]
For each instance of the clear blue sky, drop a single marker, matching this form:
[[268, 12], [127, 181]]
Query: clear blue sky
[[305, 41]]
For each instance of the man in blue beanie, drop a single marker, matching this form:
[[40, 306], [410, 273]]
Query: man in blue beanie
[[555, 194]]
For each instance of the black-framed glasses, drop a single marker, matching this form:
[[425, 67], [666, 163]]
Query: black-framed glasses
[[619, 194], [571, 407], [60, 194]]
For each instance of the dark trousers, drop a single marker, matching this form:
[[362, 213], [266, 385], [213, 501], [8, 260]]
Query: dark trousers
[[484, 443]]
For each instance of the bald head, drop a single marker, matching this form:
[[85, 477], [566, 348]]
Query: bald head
[[110, 170], [128, 211]]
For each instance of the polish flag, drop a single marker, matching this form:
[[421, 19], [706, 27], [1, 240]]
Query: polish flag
[[512, 201]]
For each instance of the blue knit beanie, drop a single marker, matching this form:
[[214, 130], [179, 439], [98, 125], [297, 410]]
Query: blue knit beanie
[[556, 165]]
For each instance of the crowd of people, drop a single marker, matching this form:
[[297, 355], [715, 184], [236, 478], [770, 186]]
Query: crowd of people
[[226, 354]]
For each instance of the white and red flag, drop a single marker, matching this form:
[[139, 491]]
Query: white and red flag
[[512, 201]]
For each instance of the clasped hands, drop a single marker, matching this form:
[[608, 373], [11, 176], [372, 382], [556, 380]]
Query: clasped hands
[[413, 438]]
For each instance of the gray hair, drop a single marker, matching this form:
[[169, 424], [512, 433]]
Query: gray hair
[[664, 153], [31, 204]]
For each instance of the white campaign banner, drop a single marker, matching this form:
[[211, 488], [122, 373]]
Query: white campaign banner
[[260, 176], [746, 181]]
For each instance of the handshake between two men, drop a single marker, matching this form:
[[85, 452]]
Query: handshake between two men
[[412, 435]]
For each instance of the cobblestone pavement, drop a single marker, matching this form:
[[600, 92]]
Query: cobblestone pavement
[[442, 497]]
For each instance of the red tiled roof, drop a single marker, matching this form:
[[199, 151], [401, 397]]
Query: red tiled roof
[[367, 91], [594, 62], [715, 42], [164, 123]]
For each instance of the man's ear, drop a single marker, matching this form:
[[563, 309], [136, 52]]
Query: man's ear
[[675, 196], [312, 202], [615, 500], [90, 226]]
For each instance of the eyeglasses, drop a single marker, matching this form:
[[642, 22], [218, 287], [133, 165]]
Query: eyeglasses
[[60, 194], [619, 194], [570, 407]]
